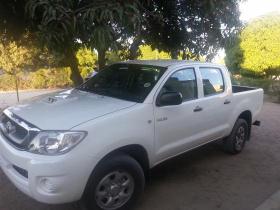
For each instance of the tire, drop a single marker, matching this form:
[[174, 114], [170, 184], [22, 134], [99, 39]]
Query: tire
[[235, 143], [115, 184]]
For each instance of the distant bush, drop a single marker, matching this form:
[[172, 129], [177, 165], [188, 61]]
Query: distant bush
[[270, 86], [50, 78], [43, 78], [255, 51], [253, 82], [7, 82], [87, 61]]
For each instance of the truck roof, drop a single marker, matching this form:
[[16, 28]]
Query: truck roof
[[164, 63]]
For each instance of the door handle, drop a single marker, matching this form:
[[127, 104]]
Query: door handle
[[198, 109], [227, 101]]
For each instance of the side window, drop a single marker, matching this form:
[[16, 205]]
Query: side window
[[183, 81], [213, 82]]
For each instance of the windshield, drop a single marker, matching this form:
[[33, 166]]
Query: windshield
[[132, 82]]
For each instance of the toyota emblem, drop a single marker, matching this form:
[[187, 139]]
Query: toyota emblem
[[9, 127]]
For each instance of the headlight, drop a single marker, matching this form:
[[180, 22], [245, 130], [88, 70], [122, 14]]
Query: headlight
[[55, 142]]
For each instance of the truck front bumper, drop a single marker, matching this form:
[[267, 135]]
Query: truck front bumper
[[47, 179]]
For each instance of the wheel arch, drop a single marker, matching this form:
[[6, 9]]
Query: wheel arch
[[136, 151], [247, 116]]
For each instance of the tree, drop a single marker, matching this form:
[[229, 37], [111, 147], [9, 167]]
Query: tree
[[16, 36], [193, 27], [13, 59], [12, 20], [257, 50], [63, 26]]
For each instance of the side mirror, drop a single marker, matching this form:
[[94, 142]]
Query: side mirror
[[90, 75], [169, 99]]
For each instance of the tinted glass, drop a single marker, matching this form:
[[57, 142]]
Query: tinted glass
[[213, 82], [183, 81], [125, 81]]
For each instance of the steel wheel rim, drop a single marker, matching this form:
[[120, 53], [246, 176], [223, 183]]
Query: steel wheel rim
[[114, 190], [240, 138]]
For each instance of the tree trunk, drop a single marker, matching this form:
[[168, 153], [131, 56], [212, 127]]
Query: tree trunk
[[101, 59], [73, 64], [133, 50], [184, 57], [174, 54], [16, 84]]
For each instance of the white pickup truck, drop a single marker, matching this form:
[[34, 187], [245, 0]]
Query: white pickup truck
[[96, 143]]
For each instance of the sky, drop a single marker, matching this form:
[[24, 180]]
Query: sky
[[254, 8], [250, 10]]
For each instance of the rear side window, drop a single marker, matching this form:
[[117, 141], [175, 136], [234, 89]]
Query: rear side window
[[213, 82], [184, 82]]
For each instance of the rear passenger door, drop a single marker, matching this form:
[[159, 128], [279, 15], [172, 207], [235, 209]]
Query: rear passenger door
[[215, 102]]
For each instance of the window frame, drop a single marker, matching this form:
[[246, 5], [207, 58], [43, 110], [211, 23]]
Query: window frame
[[174, 72], [221, 72]]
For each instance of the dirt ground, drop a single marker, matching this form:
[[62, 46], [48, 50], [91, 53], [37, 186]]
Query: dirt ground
[[206, 178]]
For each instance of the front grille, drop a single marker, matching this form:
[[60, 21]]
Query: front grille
[[16, 131]]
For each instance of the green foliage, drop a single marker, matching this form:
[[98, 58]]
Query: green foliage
[[271, 87], [7, 82], [39, 79], [253, 82], [110, 19], [12, 20], [112, 57], [199, 27], [234, 55], [14, 58], [147, 53], [50, 78], [64, 26], [196, 27], [257, 49], [261, 45], [42, 78], [87, 60]]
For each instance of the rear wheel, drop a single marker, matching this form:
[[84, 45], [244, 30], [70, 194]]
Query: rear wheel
[[235, 143], [115, 184]]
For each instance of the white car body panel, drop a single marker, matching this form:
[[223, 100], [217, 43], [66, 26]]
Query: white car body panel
[[61, 109], [112, 123]]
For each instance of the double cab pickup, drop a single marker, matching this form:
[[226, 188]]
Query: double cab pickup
[[97, 142]]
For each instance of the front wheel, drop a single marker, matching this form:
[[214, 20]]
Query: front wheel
[[115, 184], [235, 143]]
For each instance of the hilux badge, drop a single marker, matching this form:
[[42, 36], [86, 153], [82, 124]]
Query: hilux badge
[[51, 100]]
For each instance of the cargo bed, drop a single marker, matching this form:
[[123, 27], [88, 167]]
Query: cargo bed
[[238, 89]]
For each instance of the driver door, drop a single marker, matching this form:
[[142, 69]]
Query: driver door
[[177, 127]]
